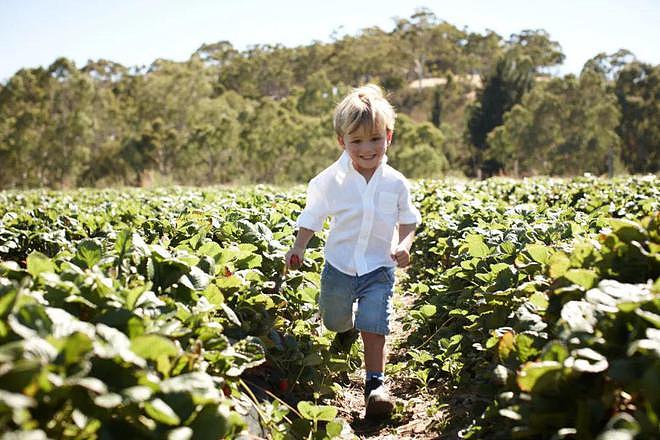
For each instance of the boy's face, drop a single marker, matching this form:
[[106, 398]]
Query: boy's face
[[366, 147]]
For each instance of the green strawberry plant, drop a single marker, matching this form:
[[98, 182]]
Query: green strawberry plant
[[528, 319], [150, 313]]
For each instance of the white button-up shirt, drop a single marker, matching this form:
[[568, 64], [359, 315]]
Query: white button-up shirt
[[364, 216]]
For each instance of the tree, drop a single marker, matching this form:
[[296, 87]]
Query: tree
[[140, 154], [263, 70], [317, 96], [109, 121], [436, 112], [70, 128], [23, 108], [481, 52], [217, 54], [418, 150], [212, 155], [537, 45], [637, 89], [165, 99], [311, 59], [46, 126], [267, 141], [609, 66], [433, 47], [369, 56], [566, 126], [505, 87], [265, 113]]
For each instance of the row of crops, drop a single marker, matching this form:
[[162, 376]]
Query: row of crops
[[539, 305], [164, 313], [154, 314]]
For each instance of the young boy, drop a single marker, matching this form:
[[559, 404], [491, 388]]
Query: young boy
[[366, 200]]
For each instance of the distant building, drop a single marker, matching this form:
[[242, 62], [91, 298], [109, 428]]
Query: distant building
[[474, 80]]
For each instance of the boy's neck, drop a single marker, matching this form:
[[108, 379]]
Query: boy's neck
[[366, 173]]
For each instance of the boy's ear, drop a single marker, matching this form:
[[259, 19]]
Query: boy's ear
[[340, 139], [389, 137]]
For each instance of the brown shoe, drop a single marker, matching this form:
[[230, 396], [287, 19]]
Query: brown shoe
[[377, 399]]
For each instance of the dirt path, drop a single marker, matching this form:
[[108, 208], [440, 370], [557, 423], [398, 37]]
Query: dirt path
[[415, 415]]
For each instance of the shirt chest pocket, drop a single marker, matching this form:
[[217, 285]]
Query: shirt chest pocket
[[385, 218], [387, 202]]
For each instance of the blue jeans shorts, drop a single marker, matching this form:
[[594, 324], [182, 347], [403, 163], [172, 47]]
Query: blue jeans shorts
[[372, 291]]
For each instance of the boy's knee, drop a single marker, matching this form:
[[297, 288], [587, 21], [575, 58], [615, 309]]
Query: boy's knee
[[337, 323]]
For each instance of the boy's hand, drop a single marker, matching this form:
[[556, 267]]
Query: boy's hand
[[294, 258], [402, 256]]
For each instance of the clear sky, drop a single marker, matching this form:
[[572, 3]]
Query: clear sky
[[36, 32]]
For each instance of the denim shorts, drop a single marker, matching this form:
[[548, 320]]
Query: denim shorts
[[372, 291]]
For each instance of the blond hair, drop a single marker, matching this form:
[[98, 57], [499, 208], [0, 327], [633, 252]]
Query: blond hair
[[365, 107]]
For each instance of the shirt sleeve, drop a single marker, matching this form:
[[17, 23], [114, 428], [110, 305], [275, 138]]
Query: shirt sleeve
[[408, 213], [316, 208]]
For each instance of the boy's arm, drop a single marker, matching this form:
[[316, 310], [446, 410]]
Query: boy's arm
[[406, 237], [299, 246], [311, 219]]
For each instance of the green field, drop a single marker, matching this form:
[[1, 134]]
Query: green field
[[129, 313]]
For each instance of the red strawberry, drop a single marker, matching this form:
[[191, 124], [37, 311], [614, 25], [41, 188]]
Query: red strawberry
[[295, 261], [283, 385]]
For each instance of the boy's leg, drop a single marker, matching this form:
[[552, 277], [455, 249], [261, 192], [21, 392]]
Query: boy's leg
[[374, 292], [343, 341], [336, 307], [374, 309], [336, 299], [376, 395], [374, 351]]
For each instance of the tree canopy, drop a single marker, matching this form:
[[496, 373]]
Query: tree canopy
[[468, 103]]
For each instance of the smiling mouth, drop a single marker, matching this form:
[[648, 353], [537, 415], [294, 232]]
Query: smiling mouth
[[368, 157]]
